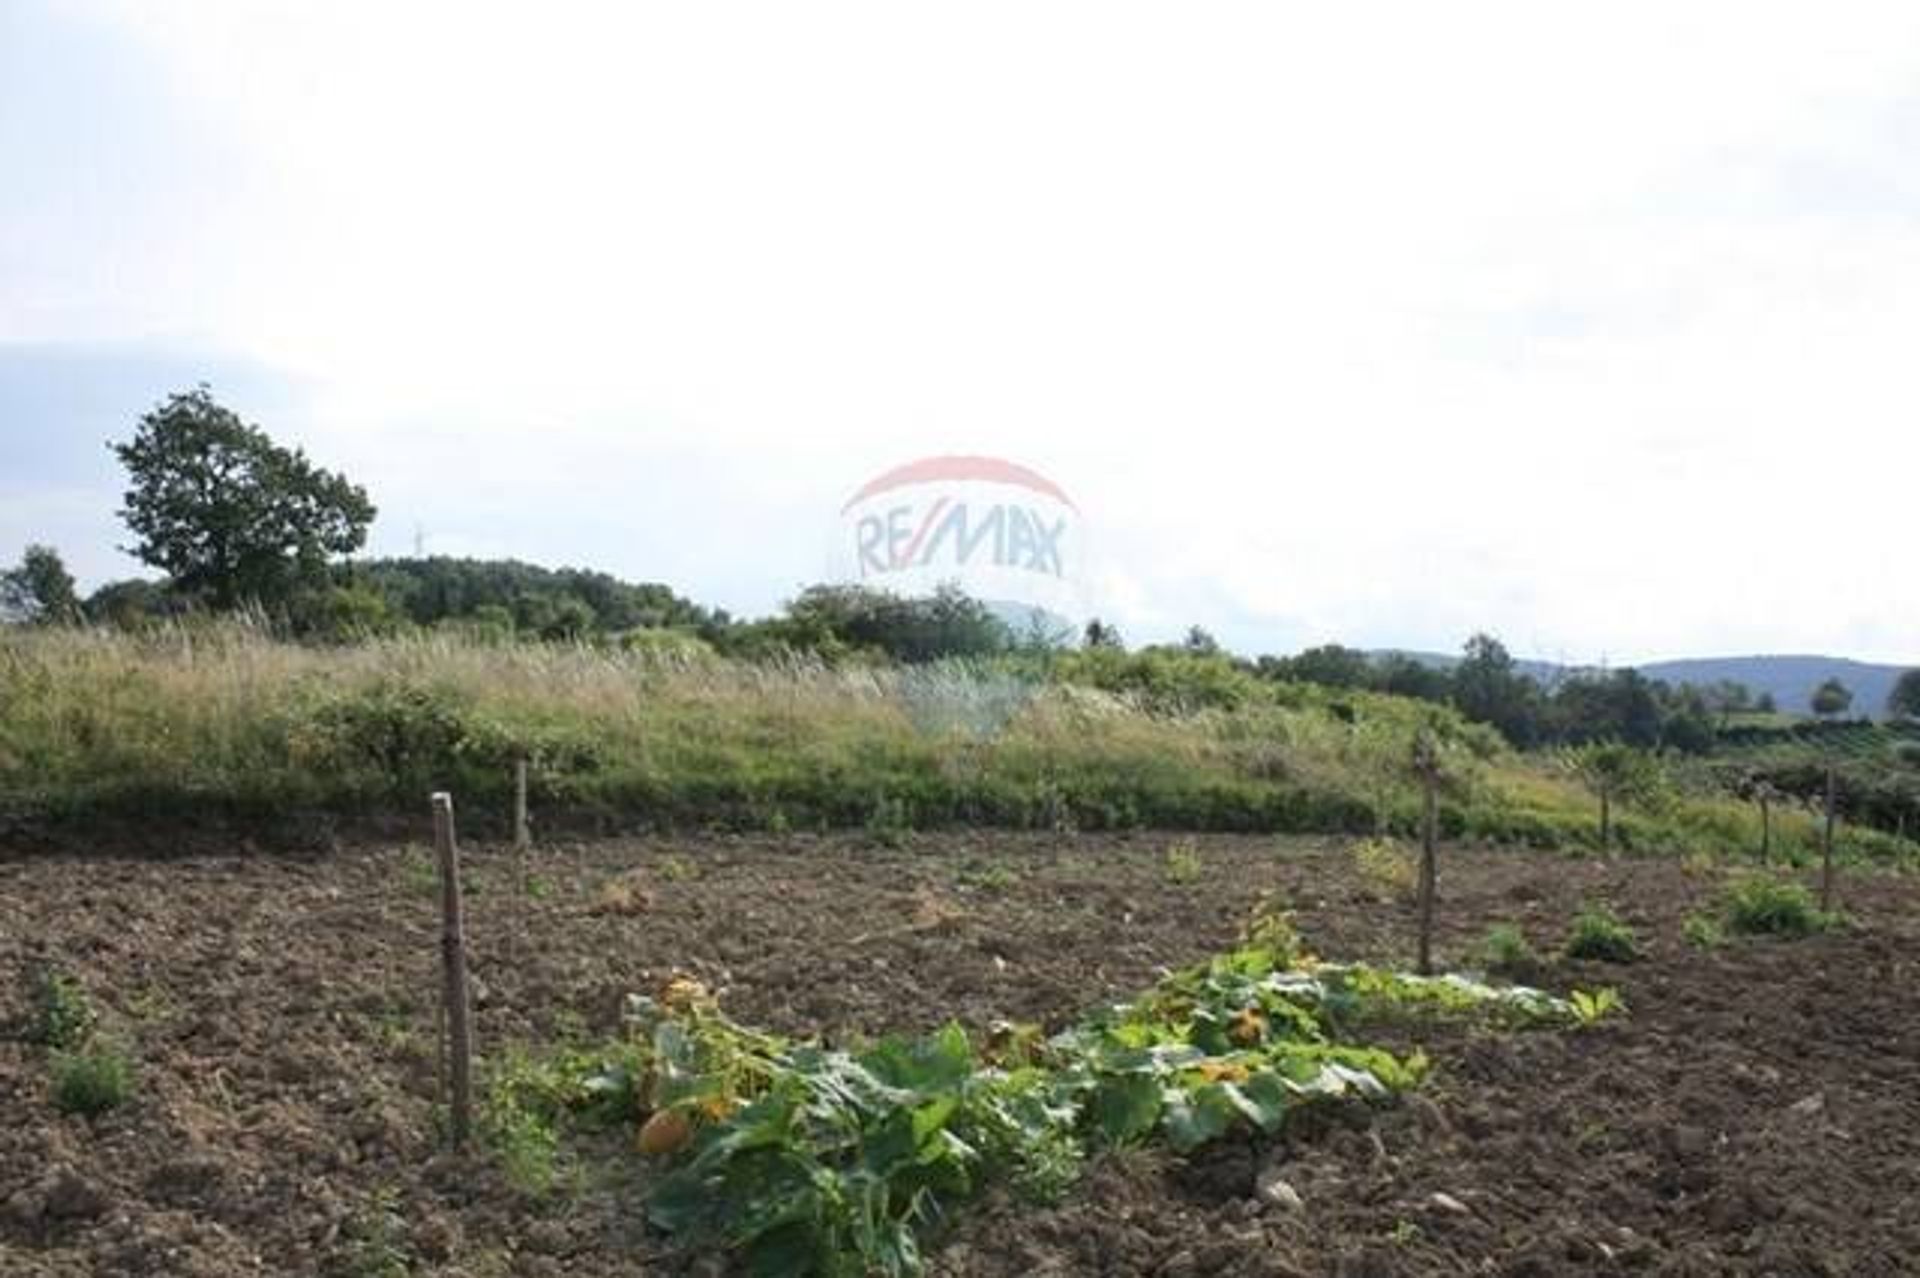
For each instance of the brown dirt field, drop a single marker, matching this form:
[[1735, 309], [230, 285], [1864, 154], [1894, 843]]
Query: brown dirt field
[[1758, 1113]]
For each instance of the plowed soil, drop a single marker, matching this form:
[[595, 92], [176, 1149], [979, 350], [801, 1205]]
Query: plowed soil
[[1757, 1113]]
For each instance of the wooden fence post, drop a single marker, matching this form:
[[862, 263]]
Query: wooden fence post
[[1766, 826], [453, 962], [1426, 759], [521, 839], [1826, 848]]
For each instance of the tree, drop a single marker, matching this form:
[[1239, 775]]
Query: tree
[[1200, 643], [40, 590], [1331, 665], [1831, 699], [1614, 772], [228, 513], [834, 620], [1904, 701], [1488, 687], [1102, 634], [130, 603]]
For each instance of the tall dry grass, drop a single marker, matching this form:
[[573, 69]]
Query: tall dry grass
[[223, 719]]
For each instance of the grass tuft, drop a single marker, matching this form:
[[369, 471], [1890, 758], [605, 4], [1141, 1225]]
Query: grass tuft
[[1599, 934]]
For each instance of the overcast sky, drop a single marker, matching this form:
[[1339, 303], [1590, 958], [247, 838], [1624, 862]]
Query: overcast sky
[[1597, 326]]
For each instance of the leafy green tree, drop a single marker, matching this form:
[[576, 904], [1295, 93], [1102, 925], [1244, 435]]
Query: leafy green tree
[[1614, 772], [836, 620], [1102, 634], [40, 590], [1331, 665], [1409, 677], [1832, 699], [1488, 687], [1689, 726], [1200, 642], [228, 513], [131, 602], [1904, 701]]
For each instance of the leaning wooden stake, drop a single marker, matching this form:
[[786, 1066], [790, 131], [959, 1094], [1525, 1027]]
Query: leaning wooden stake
[[1826, 848], [453, 956], [1426, 761]]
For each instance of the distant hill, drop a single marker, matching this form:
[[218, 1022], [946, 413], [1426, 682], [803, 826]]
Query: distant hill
[[1790, 679]]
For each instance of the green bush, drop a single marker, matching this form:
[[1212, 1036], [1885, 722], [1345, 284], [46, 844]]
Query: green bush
[[1703, 931], [91, 1080], [1183, 864], [1760, 906], [63, 1016], [1599, 934], [1504, 950]]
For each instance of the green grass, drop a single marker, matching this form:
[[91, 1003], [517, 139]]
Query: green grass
[[1703, 931], [1504, 950], [1599, 934], [91, 1080], [219, 723], [63, 1015], [1183, 863], [1760, 906]]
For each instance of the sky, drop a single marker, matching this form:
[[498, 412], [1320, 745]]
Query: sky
[[1597, 326]]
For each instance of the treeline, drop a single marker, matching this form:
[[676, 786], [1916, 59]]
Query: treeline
[[1488, 686]]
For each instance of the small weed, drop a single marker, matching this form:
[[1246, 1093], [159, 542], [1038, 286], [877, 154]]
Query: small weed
[[1703, 931], [1270, 927], [1404, 1233], [63, 1016], [1388, 868], [988, 876], [419, 874], [1183, 863], [526, 1145], [1599, 934], [1590, 1007], [1504, 949], [528, 1098], [1698, 863], [889, 823], [538, 888], [91, 1080], [675, 868], [374, 1239], [1759, 906]]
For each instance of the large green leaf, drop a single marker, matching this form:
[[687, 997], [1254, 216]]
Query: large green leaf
[[1125, 1107]]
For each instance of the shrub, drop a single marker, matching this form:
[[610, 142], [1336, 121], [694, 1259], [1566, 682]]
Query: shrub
[[1504, 949], [1388, 868], [1599, 934], [1703, 931], [1183, 864], [1760, 906], [63, 1016], [91, 1080]]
